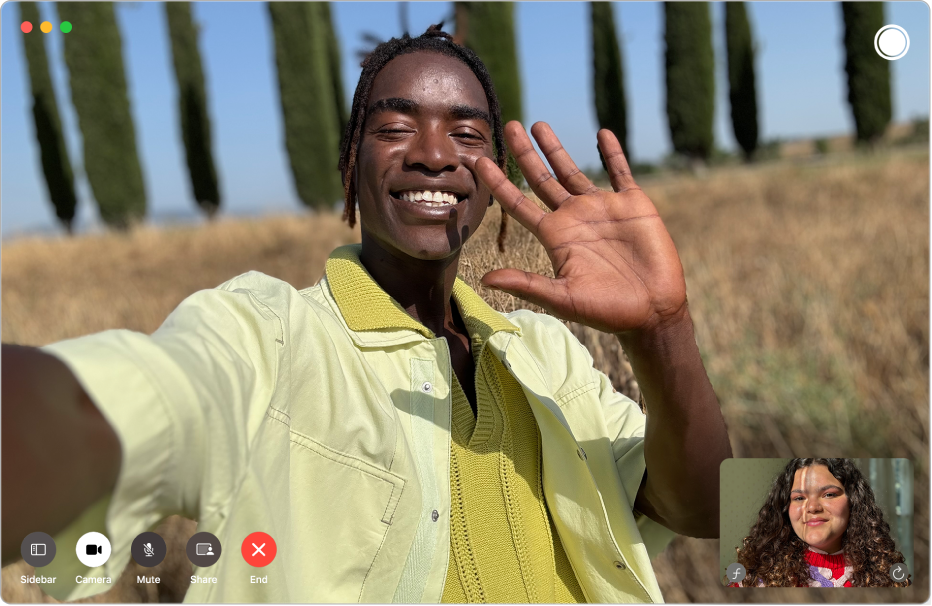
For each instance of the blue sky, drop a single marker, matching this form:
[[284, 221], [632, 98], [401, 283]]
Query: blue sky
[[801, 90]]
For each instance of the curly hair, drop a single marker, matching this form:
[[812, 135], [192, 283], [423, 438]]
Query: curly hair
[[434, 40], [774, 556]]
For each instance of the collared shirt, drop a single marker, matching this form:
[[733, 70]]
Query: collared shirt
[[258, 407]]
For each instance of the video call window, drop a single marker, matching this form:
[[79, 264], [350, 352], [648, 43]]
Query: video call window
[[816, 522]]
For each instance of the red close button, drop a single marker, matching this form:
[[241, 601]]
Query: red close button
[[259, 549]]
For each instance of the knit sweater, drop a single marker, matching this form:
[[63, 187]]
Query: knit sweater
[[825, 570], [503, 545], [828, 569]]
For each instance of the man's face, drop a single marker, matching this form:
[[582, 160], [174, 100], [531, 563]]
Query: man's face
[[819, 508], [427, 123]]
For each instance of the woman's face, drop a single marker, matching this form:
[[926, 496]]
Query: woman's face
[[427, 123], [819, 508]]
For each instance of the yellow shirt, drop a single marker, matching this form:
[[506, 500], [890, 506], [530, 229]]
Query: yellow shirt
[[259, 407], [503, 546]]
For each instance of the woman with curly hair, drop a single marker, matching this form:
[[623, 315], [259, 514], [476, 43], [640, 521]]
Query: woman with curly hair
[[819, 527]]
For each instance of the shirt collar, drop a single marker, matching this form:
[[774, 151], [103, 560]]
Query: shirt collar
[[365, 306]]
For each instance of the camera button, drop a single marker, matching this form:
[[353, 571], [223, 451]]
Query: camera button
[[93, 549]]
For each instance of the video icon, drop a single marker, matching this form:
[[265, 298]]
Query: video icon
[[93, 549]]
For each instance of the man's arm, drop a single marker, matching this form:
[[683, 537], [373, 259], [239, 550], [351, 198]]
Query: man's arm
[[60, 455], [685, 439], [616, 269]]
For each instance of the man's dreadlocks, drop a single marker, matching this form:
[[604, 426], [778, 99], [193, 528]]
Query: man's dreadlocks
[[434, 40]]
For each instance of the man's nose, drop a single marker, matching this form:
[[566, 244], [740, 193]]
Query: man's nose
[[434, 151]]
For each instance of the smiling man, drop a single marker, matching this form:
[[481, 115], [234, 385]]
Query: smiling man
[[399, 439]]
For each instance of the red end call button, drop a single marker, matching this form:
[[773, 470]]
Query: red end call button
[[259, 549]]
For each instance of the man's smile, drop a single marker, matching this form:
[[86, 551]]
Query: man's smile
[[438, 208], [430, 197]]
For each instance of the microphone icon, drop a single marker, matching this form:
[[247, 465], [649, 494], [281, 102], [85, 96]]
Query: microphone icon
[[148, 550]]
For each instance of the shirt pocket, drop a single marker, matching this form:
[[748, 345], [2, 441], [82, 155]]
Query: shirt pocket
[[341, 510]]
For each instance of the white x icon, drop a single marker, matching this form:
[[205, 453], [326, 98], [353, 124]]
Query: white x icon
[[258, 549]]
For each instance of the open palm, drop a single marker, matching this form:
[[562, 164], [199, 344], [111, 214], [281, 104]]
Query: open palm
[[615, 266]]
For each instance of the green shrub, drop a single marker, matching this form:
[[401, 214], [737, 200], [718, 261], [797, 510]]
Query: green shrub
[[868, 72], [741, 80], [56, 167], [690, 77], [93, 54], [192, 106], [309, 109], [488, 28], [608, 74], [333, 64]]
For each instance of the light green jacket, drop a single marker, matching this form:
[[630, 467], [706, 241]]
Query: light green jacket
[[258, 407]]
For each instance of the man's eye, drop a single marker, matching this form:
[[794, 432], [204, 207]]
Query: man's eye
[[467, 135]]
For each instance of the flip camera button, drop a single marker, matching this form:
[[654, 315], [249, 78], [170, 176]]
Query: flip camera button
[[899, 573]]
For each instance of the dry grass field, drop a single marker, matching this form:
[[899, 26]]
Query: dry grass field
[[808, 285]]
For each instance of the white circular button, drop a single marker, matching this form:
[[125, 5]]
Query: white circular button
[[427, 387], [93, 549], [891, 42]]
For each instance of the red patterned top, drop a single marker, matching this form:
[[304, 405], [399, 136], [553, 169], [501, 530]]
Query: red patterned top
[[825, 570]]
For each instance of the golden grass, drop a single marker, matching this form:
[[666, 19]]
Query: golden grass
[[808, 285]]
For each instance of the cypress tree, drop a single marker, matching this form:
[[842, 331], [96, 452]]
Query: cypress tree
[[54, 154], [607, 74], [333, 64], [741, 82], [307, 98], [868, 72], [192, 106], [488, 28], [94, 56], [690, 77]]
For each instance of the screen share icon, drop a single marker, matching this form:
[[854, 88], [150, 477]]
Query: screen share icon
[[203, 549]]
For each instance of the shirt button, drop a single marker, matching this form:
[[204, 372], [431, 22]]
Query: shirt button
[[620, 565], [427, 387], [581, 454], [434, 515]]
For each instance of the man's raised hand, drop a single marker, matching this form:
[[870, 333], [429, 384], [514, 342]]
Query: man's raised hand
[[615, 266]]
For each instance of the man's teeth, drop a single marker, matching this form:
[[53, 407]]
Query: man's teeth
[[430, 198]]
